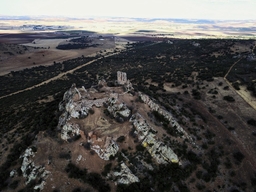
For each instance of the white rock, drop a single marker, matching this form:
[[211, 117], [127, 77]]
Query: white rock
[[79, 158], [125, 176], [110, 149], [12, 173], [35, 171], [40, 186]]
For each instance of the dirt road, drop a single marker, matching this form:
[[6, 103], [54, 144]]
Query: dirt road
[[248, 100], [67, 72], [56, 77]]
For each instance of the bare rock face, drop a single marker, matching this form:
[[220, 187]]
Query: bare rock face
[[122, 80], [78, 102], [77, 107]]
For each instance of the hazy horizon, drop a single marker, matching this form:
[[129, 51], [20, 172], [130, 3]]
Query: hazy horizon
[[184, 9]]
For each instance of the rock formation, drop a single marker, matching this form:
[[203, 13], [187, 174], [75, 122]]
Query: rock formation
[[30, 171], [155, 107], [146, 134], [110, 149], [69, 130], [125, 176], [100, 134], [122, 80], [116, 108]]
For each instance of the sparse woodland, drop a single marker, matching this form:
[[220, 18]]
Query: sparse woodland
[[214, 162]]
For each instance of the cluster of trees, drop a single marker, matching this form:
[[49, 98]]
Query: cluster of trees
[[93, 179], [145, 62], [74, 46], [77, 43], [18, 80]]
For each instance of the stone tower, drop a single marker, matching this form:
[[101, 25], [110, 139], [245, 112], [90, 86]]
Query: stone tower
[[121, 78]]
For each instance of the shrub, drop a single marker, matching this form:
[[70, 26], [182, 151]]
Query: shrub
[[91, 111], [229, 98], [120, 139], [238, 156], [252, 122], [66, 156], [226, 88], [107, 169]]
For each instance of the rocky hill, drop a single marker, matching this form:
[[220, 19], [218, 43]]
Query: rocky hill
[[108, 138], [177, 125]]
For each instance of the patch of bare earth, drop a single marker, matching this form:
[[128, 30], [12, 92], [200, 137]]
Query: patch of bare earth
[[44, 53]]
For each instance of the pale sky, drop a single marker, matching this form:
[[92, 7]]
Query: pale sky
[[188, 9]]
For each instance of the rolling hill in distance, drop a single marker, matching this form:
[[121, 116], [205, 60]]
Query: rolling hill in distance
[[127, 104]]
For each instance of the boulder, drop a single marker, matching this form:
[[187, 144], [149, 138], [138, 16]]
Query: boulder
[[125, 176]]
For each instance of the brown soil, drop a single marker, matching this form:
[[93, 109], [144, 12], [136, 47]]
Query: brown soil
[[44, 56]]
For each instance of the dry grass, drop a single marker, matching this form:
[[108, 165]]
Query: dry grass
[[42, 56]]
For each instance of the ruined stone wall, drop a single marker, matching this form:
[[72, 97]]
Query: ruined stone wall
[[121, 78]]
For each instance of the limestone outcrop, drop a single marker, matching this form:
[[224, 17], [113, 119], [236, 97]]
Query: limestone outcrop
[[155, 107], [147, 135], [125, 176], [77, 104], [30, 171], [110, 149], [116, 108], [69, 130]]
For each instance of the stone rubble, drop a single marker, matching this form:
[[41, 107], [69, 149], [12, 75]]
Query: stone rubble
[[13, 173], [40, 186], [79, 158]]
